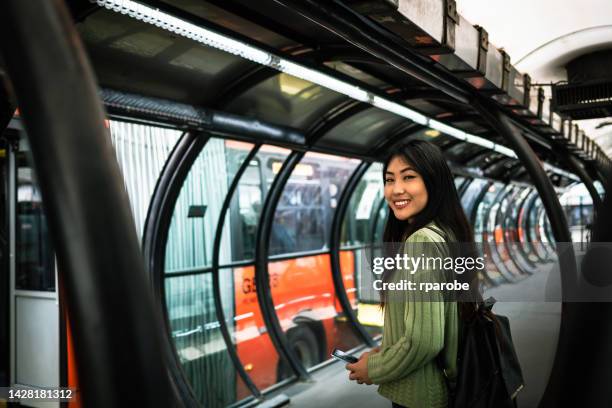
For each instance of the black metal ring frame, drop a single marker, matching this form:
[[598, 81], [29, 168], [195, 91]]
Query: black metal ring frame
[[586, 179], [155, 238], [556, 216], [515, 259], [334, 249], [481, 194], [463, 186], [517, 226], [216, 271], [262, 276], [533, 197], [376, 213]]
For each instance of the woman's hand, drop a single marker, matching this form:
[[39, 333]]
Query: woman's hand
[[359, 370]]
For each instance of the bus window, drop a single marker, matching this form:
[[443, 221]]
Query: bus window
[[302, 288], [35, 265]]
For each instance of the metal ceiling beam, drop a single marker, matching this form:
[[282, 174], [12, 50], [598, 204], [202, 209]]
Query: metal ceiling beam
[[365, 34]]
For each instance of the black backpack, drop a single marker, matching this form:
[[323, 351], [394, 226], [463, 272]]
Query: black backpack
[[488, 371]]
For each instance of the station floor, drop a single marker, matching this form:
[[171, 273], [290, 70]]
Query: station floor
[[535, 329], [332, 388]]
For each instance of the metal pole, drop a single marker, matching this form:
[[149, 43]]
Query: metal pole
[[117, 333], [155, 237], [334, 252], [567, 261], [216, 281]]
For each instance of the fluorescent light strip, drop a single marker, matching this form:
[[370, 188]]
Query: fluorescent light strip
[[449, 130], [210, 38]]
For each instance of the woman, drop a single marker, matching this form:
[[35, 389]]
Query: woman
[[418, 356]]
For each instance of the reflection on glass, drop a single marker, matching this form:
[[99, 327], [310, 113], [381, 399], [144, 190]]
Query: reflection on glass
[[285, 100], [240, 226], [199, 344], [141, 152], [306, 305], [305, 210], [361, 131], [578, 206], [470, 197], [462, 151], [196, 213], [363, 221], [35, 265], [253, 344], [459, 181], [483, 232], [356, 228], [190, 303]]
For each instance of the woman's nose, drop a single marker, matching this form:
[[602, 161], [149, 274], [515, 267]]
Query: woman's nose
[[399, 189]]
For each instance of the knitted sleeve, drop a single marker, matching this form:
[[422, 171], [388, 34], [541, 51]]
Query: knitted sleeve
[[423, 319]]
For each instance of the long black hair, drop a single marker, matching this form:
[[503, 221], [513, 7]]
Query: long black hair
[[443, 206]]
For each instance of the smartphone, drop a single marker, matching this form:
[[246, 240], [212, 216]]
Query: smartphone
[[341, 355]]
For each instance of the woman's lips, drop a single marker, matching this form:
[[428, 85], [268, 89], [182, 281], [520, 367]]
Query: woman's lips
[[399, 204]]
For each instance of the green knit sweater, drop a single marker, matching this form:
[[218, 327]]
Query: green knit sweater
[[415, 332]]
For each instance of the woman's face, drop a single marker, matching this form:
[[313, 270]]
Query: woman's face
[[405, 190]]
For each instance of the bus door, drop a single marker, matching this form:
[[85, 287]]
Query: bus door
[[33, 291], [5, 365]]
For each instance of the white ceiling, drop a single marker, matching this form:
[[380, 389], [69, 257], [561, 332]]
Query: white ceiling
[[541, 36]]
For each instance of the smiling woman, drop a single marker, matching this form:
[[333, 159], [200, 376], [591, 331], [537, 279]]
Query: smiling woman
[[418, 354], [404, 189]]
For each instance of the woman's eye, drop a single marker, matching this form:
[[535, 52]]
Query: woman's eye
[[408, 177], [388, 180]]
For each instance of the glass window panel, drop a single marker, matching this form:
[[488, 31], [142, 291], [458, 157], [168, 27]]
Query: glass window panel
[[232, 22], [177, 68], [356, 73], [501, 166], [356, 227], [363, 130], [483, 232], [459, 181], [305, 210], [514, 231], [503, 233], [306, 305], [253, 344], [578, 207], [381, 220], [197, 337], [35, 261], [362, 218], [485, 158], [524, 230], [240, 225], [462, 151], [196, 213], [434, 136], [141, 152], [285, 100], [468, 200]]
